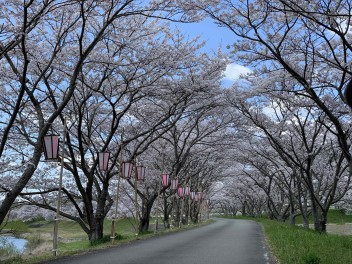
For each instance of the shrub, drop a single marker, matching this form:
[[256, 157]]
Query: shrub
[[33, 241]]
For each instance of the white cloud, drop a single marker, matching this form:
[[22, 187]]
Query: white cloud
[[234, 71]]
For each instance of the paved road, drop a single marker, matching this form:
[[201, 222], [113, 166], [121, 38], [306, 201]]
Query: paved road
[[225, 241]]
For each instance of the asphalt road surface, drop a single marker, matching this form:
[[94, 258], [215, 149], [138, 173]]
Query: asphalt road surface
[[225, 241]]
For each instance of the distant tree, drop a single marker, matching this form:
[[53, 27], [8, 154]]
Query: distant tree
[[191, 136], [300, 145]]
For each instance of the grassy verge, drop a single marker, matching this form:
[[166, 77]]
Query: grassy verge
[[334, 216], [292, 244], [296, 245], [18, 226], [72, 239]]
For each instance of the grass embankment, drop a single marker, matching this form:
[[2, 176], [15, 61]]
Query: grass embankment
[[292, 244], [334, 217], [297, 245], [72, 239]]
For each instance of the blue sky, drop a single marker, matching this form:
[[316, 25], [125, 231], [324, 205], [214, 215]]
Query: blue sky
[[215, 37]]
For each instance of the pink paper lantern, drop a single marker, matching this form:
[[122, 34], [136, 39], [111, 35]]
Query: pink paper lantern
[[174, 184], [180, 191], [126, 170], [51, 147], [187, 191], [103, 160], [140, 172], [165, 179]]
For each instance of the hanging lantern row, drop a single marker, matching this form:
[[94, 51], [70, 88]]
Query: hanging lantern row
[[197, 196], [201, 196], [51, 152], [127, 169], [185, 191]]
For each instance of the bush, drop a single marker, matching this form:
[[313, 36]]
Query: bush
[[14, 260], [33, 241]]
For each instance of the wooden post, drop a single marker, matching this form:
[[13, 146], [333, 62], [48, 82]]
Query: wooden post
[[57, 218], [114, 219]]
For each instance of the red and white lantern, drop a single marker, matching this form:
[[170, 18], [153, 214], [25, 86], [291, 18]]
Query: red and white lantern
[[187, 191], [103, 160], [165, 179], [180, 191], [140, 173], [192, 195], [126, 170], [51, 147], [174, 184]]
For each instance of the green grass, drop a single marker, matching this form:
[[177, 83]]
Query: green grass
[[17, 226], [334, 217], [40, 231], [296, 245], [69, 230], [292, 244]]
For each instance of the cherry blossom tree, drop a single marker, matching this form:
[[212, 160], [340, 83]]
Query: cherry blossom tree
[[52, 51], [302, 45], [175, 151], [300, 145]]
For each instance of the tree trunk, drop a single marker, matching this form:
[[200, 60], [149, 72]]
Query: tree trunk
[[143, 224], [323, 220], [303, 205], [146, 210], [96, 232], [292, 216], [305, 214], [11, 196], [319, 225], [243, 211], [97, 224], [167, 210]]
